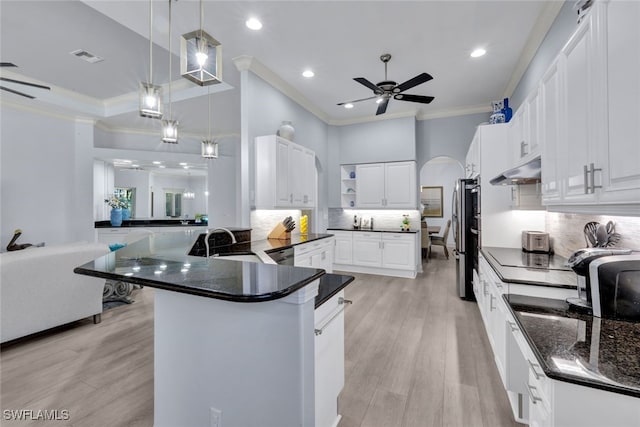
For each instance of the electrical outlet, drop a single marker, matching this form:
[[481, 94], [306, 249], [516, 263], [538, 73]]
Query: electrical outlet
[[215, 419]]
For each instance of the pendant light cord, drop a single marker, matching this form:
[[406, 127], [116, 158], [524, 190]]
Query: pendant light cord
[[209, 114], [170, 54], [151, 42], [201, 17]]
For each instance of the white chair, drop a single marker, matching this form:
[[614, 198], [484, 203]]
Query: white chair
[[442, 240]]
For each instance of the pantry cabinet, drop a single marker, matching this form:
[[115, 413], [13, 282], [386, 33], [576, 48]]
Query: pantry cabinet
[[285, 174], [386, 185]]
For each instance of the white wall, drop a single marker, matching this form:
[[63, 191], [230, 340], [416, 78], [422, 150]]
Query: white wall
[[102, 188], [195, 184], [444, 172], [138, 179]]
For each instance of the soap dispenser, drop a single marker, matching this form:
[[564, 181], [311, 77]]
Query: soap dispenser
[[356, 223]]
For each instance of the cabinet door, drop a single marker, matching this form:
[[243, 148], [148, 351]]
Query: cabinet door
[[400, 185], [297, 174], [283, 193], [370, 185], [551, 106], [367, 249], [398, 251], [620, 157], [309, 182], [578, 118], [532, 123], [343, 249], [516, 134]]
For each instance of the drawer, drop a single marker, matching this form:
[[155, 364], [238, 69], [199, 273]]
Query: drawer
[[341, 234], [366, 236], [316, 245], [398, 237], [322, 314]]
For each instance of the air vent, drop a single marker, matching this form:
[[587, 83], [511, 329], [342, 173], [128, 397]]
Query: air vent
[[87, 56]]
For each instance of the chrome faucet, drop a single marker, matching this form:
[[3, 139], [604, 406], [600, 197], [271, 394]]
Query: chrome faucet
[[206, 238]]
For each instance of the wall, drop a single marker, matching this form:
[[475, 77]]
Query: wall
[[138, 179], [181, 183], [223, 184], [266, 108], [43, 183], [444, 172], [448, 136], [559, 33], [566, 230]]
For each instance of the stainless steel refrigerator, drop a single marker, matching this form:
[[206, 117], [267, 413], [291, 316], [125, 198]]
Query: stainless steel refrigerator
[[466, 231]]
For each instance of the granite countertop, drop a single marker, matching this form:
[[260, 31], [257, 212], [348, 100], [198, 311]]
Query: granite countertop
[[331, 284], [375, 230], [580, 348], [161, 261], [130, 223], [554, 278]]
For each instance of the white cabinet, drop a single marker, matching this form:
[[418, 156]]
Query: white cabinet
[[398, 251], [348, 186], [550, 137], [524, 130], [329, 359], [315, 254], [367, 249], [285, 174], [388, 254], [472, 162], [386, 185], [343, 249]]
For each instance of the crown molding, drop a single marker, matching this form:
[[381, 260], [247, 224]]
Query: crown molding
[[249, 63], [546, 18], [453, 112]]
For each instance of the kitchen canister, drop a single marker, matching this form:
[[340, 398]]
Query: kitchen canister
[[286, 131]]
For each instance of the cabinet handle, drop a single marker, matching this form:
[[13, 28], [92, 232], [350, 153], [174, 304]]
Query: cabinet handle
[[523, 151], [291, 198], [344, 301], [513, 194], [491, 307], [532, 366], [534, 399], [586, 180], [592, 172], [341, 301], [484, 288], [324, 255], [513, 326]]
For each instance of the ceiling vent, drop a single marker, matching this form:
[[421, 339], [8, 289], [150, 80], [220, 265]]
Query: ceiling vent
[[87, 56]]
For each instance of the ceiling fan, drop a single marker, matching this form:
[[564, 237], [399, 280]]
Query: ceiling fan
[[385, 89], [22, 82]]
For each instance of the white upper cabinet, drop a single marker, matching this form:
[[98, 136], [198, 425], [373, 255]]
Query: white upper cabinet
[[386, 185], [619, 157], [285, 174], [472, 162], [550, 102]]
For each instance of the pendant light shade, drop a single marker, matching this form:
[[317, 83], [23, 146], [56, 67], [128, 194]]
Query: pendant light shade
[[200, 56], [170, 131], [150, 94], [209, 149], [170, 126]]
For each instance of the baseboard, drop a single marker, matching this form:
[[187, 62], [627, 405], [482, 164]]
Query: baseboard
[[408, 274]]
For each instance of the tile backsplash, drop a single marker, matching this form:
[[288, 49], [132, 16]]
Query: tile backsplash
[[382, 219], [566, 230]]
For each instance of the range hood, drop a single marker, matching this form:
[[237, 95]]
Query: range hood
[[528, 173]]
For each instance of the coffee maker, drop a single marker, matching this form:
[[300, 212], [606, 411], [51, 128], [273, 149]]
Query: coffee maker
[[579, 262]]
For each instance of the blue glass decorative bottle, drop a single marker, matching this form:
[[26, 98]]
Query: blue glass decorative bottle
[[507, 111]]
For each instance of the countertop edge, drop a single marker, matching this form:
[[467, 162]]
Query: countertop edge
[[374, 230], [203, 292], [566, 378], [336, 290]]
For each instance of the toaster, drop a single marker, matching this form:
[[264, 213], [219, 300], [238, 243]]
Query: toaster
[[615, 287], [535, 241]]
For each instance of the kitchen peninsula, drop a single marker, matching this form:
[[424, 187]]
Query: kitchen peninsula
[[247, 342]]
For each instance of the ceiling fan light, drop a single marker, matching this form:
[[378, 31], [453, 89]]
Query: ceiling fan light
[[477, 53], [379, 100], [209, 149], [150, 100], [200, 58], [170, 131]]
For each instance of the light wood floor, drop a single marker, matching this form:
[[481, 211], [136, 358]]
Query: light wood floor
[[416, 355]]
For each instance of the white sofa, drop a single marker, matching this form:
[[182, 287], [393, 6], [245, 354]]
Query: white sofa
[[39, 290]]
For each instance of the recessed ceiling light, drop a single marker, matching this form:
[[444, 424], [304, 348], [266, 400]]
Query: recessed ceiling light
[[162, 166], [186, 167], [183, 164], [349, 105], [124, 161], [478, 53], [308, 73], [157, 162], [253, 24], [135, 166]]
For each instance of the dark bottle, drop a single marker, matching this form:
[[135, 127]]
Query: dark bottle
[[507, 111]]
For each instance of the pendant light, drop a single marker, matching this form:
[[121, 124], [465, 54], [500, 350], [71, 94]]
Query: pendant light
[[170, 126], [200, 56], [150, 94], [209, 146]]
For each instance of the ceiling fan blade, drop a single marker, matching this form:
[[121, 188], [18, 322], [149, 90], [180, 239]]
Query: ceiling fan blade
[[417, 80], [382, 107], [358, 100], [25, 83], [368, 84], [17, 93], [7, 64], [414, 98]]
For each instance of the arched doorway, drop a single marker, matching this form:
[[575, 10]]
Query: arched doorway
[[442, 171]]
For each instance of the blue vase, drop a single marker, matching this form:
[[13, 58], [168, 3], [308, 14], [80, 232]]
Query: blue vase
[[507, 111], [126, 214], [116, 217]]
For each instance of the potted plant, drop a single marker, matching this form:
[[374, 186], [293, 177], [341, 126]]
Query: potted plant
[[116, 210]]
